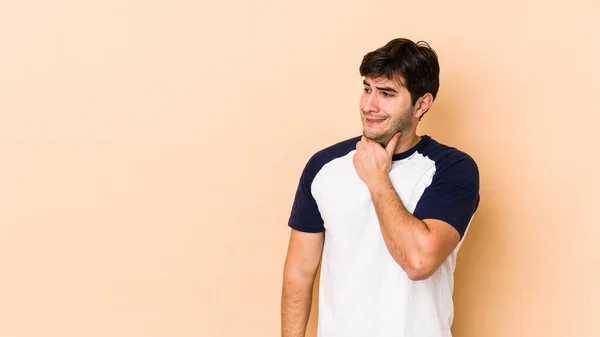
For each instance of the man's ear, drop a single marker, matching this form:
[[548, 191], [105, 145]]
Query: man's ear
[[422, 105]]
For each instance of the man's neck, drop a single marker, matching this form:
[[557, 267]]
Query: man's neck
[[407, 142]]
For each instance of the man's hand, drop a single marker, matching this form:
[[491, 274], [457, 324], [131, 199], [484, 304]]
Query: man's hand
[[372, 161]]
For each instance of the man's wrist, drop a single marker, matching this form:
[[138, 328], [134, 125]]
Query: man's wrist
[[380, 183]]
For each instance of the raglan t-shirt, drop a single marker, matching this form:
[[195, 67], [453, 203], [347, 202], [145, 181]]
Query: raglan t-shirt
[[363, 291]]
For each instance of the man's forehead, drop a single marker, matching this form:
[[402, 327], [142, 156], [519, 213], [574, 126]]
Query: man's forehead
[[396, 82]]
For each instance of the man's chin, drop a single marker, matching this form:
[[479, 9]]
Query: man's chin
[[381, 139]]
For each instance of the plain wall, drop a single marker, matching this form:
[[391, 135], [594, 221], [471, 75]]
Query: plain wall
[[151, 151]]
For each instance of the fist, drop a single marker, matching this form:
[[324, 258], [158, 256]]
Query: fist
[[372, 161]]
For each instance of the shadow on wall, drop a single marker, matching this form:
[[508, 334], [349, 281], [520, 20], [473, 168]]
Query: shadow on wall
[[485, 244]]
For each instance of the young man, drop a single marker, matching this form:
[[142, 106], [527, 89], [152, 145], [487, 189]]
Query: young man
[[385, 213]]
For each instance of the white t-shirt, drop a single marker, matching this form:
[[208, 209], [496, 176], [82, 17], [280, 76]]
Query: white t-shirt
[[363, 291]]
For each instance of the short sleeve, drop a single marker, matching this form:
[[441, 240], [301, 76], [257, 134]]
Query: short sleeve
[[452, 196], [305, 215]]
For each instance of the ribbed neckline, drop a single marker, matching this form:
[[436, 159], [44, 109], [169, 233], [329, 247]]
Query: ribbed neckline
[[403, 155]]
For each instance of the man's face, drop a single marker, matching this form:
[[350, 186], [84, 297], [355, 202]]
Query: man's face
[[385, 109]]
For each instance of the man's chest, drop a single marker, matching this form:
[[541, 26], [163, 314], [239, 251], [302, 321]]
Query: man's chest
[[342, 197]]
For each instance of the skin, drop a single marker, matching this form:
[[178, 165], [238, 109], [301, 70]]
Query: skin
[[418, 246], [300, 270]]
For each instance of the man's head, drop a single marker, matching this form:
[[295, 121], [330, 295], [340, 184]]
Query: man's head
[[401, 81]]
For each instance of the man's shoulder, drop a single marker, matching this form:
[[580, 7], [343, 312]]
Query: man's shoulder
[[325, 155], [333, 151], [448, 157]]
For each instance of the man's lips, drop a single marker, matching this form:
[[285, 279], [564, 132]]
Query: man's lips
[[374, 121]]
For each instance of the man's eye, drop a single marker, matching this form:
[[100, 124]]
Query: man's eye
[[367, 90], [385, 94]]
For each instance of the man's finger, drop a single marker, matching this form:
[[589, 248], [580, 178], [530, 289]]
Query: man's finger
[[391, 145]]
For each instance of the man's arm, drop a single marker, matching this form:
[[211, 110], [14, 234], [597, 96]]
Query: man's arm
[[419, 246], [421, 241], [300, 270]]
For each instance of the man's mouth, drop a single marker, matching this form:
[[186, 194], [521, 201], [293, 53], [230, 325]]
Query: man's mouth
[[374, 121]]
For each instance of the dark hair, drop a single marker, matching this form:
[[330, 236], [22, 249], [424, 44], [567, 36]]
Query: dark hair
[[417, 63]]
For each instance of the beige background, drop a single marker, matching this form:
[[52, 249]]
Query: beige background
[[151, 149]]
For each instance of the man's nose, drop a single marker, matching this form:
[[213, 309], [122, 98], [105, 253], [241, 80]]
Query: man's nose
[[372, 104]]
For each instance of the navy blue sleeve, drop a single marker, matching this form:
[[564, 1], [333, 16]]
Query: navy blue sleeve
[[305, 215], [453, 195]]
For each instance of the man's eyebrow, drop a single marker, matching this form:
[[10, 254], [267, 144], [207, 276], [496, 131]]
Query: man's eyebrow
[[388, 89]]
